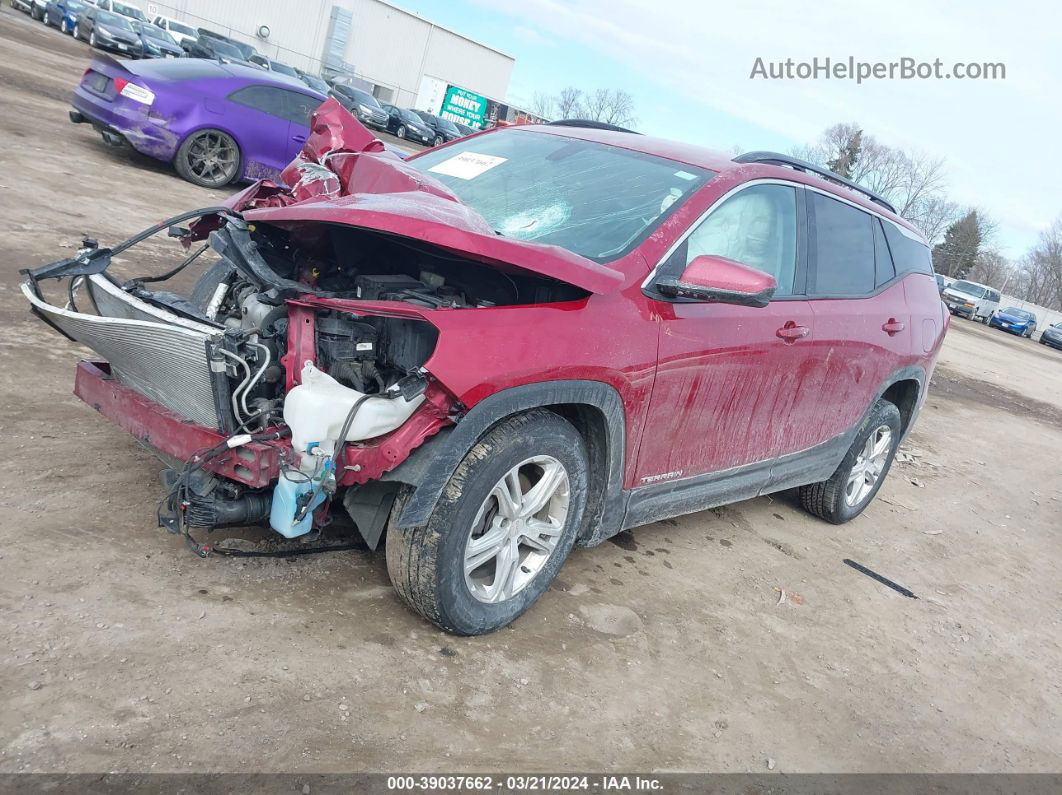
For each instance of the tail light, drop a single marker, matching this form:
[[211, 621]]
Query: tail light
[[133, 91]]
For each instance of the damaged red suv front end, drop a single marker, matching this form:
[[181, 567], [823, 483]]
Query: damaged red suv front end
[[292, 361]]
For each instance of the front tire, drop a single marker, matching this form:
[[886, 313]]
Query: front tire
[[401, 131], [438, 140], [92, 38], [501, 530], [851, 488], [208, 158]]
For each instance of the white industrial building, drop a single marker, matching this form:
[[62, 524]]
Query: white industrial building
[[395, 50]]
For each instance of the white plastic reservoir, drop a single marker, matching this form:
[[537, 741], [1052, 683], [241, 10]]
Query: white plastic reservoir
[[316, 409]]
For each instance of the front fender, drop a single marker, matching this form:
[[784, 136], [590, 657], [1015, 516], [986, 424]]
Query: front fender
[[430, 467]]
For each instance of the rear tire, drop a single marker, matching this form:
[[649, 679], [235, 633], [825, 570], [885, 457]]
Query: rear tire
[[434, 567], [845, 495]]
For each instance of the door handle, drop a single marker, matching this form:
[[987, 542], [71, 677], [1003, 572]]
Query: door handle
[[301, 139], [791, 332], [894, 326]]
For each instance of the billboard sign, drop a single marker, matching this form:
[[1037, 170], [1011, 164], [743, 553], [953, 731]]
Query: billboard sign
[[465, 107]]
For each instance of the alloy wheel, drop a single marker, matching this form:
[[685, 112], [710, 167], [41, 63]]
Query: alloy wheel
[[868, 466], [213, 157], [516, 529], [401, 132], [62, 25], [92, 39]]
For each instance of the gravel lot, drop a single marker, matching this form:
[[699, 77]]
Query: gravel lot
[[666, 650]]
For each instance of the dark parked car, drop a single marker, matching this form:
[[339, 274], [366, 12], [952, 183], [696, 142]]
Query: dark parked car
[[216, 50], [409, 125], [107, 30], [940, 282], [313, 81], [1052, 336], [246, 50], [155, 42], [443, 128], [464, 129], [216, 122], [1017, 321], [363, 105], [63, 14], [481, 379]]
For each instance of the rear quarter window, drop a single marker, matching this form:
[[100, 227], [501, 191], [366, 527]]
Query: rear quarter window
[[909, 255]]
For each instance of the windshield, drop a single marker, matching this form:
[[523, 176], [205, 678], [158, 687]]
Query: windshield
[[446, 125], [411, 117], [226, 49], [969, 288], [158, 34], [283, 68], [129, 11], [595, 200], [179, 28], [113, 20], [316, 83], [1013, 311], [362, 97]]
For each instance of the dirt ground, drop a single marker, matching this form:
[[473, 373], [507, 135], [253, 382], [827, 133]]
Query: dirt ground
[[666, 650]]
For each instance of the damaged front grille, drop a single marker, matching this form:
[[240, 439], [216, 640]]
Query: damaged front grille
[[158, 354]]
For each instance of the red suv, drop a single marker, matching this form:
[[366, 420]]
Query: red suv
[[530, 338]]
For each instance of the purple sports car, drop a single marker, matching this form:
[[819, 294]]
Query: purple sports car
[[216, 122]]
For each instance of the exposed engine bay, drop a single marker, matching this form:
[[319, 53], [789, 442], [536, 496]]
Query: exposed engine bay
[[239, 352]]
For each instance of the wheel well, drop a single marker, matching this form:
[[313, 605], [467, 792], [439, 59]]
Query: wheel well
[[904, 395], [591, 424]]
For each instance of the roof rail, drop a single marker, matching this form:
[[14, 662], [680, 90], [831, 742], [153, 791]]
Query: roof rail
[[591, 124], [777, 159]]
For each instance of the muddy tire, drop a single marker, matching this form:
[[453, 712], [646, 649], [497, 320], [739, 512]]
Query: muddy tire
[[862, 471], [444, 570]]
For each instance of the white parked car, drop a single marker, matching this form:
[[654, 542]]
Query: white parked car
[[184, 34], [971, 300], [125, 9]]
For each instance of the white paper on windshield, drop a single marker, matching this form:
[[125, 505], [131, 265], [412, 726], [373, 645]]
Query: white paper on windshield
[[467, 165]]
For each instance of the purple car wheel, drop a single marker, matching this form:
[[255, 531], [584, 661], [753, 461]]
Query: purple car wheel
[[209, 158]]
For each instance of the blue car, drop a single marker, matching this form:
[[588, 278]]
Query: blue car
[[63, 14], [1016, 321]]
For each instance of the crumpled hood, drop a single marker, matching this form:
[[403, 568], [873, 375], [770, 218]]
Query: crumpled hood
[[344, 175]]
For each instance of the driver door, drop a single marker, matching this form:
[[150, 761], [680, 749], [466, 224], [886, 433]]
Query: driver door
[[731, 385]]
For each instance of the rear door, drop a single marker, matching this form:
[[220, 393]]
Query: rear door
[[262, 127], [862, 321], [729, 386]]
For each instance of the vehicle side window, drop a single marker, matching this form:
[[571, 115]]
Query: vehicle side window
[[756, 227], [842, 249], [884, 268], [264, 98], [909, 255], [299, 107]]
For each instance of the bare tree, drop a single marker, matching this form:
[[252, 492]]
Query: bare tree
[[567, 101], [912, 181], [1040, 274], [612, 106], [543, 105], [991, 268]]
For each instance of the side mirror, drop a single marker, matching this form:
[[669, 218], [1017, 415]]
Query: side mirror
[[720, 280]]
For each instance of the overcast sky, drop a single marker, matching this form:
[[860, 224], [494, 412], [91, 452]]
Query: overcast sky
[[688, 64]]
